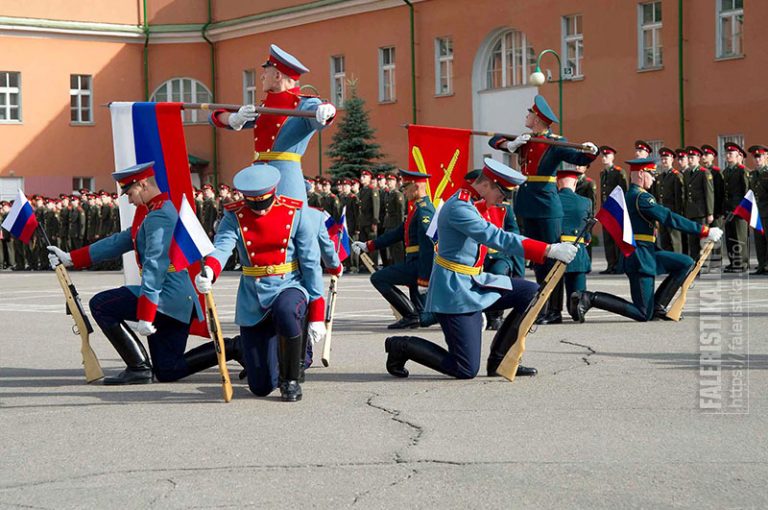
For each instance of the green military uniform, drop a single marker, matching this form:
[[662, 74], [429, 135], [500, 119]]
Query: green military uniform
[[76, 229], [369, 215], [209, 216], [699, 202], [383, 193], [577, 210], [64, 228], [758, 183], [609, 179], [672, 197], [7, 258], [736, 181], [93, 224], [39, 251], [718, 185], [587, 188], [331, 204], [51, 226], [394, 214]]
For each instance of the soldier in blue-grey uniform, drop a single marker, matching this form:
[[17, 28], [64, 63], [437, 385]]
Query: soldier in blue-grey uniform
[[281, 140], [459, 291], [164, 303], [537, 202], [577, 211], [415, 271], [279, 288], [647, 260]]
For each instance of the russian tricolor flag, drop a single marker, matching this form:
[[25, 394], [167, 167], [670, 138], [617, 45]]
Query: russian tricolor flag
[[337, 231], [615, 219], [190, 242], [21, 220], [747, 209]]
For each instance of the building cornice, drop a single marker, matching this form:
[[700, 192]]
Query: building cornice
[[312, 12]]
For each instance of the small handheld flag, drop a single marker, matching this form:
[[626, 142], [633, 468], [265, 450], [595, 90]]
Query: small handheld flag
[[615, 219], [747, 210], [337, 231], [190, 242], [21, 221]]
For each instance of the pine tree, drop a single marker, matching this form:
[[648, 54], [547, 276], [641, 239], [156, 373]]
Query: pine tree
[[353, 148]]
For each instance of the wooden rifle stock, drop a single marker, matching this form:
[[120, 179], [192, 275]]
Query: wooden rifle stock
[[218, 342], [676, 309], [508, 366], [368, 263], [330, 309]]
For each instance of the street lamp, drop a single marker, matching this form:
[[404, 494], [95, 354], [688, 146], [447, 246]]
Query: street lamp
[[537, 78]]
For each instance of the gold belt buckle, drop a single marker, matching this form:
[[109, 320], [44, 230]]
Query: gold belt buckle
[[256, 155], [270, 269]]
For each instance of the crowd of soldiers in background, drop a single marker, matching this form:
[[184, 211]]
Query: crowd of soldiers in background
[[688, 183]]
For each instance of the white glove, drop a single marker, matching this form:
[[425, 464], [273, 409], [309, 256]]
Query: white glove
[[58, 256], [359, 246], [592, 147], [146, 328], [714, 234], [515, 144], [564, 252], [423, 290], [238, 119], [316, 331], [325, 112], [204, 280]]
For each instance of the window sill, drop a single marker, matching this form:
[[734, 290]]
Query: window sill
[[729, 57], [573, 78], [445, 95], [650, 69], [11, 122], [393, 101], [81, 124]]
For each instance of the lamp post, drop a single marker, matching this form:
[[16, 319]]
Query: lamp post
[[537, 78], [316, 92]]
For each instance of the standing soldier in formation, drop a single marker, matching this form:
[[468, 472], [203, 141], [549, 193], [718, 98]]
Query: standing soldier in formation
[[93, 221], [708, 156], [682, 163], [198, 193], [415, 271], [369, 210], [644, 150], [758, 183], [7, 255], [699, 197], [210, 212], [50, 224], [350, 203], [329, 201], [611, 176], [76, 229], [647, 260], [538, 203], [64, 221], [671, 196], [394, 214], [313, 195], [381, 182], [587, 188], [736, 181], [280, 141]]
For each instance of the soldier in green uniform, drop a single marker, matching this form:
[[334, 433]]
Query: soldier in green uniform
[[93, 223], [64, 208], [369, 210], [313, 196], [758, 183], [381, 182], [644, 150], [76, 219], [330, 201], [7, 256], [647, 261], [699, 197], [587, 188], [682, 166], [50, 223], [611, 176], [209, 211], [708, 156], [736, 181], [350, 203], [394, 214], [671, 196]]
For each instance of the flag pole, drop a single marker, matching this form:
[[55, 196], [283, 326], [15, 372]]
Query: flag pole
[[545, 141], [283, 112]]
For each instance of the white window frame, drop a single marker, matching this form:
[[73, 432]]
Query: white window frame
[[577, 40], [721, 141], [338, 80], [187, 116], [79, 92], [735, 15], [520, 71], [443, 81], [6, 90], [387, 91], [655, 28], [249, 86]]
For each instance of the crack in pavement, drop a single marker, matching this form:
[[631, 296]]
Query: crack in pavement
[[585, 359], [395, 416], [360, 496]]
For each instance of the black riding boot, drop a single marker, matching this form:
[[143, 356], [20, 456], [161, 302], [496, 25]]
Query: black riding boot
[[303, 358], [404, 306], [664, 294], [607, 302], [552, 312], [504, 338], [403, 348], [204, 356], [289, 355], [131, 350], [494, 319]]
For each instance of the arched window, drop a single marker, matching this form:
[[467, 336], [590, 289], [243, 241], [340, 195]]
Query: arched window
[[511, 61], [184, 90]]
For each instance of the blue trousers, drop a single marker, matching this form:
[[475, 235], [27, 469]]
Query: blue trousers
[[260, 342], [547, 230], [404, 273], [166, 346], [464, 334]]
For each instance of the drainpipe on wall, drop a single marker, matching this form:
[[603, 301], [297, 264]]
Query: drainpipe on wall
[[213, 98], [413, 62], [680, 76], [145, 28]]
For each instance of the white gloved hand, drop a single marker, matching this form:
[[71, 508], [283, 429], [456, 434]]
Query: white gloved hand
[[58, 256], [714, 234], [564, 252], [146, 328], [204, 280], [423, 290], [515, 144], [238, 119], [359, 246], [592, 148], [316, 331], [325, 112]]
